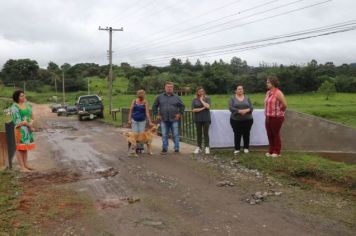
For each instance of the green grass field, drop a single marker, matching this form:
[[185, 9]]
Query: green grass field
[[10, 192], [340, 108]]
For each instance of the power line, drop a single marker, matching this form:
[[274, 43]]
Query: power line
[[127, 11], [206, 23], [192, 18], [238, 25], [256, 44], [303, 32], [174, 40], [283, 42], [203, 14], [155, 12]]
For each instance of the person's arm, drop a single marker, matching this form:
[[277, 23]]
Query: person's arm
[[148, 113], [155, 109], [250, 109], [194, 109], [181, 108], [130, 112], [205, 104], [32, 120], [16, 118], [247, 110], [231, 107], [280, 96], [251, 106], [198, 109]]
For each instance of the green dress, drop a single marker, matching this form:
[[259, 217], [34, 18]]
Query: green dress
[[24, 136]]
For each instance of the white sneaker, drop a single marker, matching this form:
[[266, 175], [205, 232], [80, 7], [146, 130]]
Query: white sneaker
[[197, 150], [268, 154], [207, 150], [236, 152], [246, 151], [275, 155]]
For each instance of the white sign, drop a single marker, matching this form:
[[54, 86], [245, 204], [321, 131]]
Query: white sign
[[221, 134]]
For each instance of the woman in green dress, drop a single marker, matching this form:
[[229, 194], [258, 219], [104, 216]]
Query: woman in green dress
[[22, 116]]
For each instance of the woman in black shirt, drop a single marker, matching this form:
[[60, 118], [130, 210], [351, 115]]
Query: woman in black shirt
[[201, 111]]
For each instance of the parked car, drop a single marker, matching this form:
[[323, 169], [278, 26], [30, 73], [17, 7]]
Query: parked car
[[72, 110], [90, 106], [55, 107], [68, 110], [61, 111]]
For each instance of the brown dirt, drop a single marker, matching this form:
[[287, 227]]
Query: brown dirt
[[150, 195], [326, 187], [42, 204]]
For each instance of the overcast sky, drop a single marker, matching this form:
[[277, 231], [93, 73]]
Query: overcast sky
[[67, 30]]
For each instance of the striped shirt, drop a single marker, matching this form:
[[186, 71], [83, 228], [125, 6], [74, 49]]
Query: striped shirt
[[273, 107]]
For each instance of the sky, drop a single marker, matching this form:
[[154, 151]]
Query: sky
[[66, 31]]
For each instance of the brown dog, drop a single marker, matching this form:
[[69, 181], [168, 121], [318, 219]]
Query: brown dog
[[144, 137]]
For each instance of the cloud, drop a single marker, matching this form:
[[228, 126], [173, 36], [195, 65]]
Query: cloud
[[67, 31]]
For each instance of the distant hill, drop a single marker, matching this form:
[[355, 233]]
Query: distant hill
[[353, 64]]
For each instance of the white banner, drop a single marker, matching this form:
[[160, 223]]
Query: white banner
[[221, 134]]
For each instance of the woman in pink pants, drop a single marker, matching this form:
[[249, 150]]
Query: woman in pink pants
[[275, 106]]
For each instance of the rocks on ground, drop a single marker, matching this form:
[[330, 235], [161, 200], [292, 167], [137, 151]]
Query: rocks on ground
[[225, 183], [259, 197]]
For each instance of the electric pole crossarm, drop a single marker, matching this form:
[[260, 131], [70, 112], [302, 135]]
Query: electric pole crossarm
[[110, 28]]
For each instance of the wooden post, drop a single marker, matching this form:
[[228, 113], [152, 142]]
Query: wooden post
[[3, 150]]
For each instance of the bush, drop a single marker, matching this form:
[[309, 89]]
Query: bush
[[328, 89]]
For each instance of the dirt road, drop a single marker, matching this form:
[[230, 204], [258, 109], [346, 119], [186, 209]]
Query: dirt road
[[150, 195]]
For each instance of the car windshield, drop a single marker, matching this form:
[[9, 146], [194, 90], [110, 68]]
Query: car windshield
[[89, 100]]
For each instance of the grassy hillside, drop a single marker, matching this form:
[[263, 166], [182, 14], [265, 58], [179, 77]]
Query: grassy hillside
[[340, 108]]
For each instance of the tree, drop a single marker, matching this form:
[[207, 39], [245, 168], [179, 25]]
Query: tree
[[198, 66], [328, 89], [55, 74], [21, 70], [188, 65], [54, 68], [238, 66], [176, 65], [345, 84], [73, 76]]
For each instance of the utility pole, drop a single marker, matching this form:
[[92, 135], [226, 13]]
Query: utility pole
[[55, 84], [88, 87], [110, 29], [64, 93]]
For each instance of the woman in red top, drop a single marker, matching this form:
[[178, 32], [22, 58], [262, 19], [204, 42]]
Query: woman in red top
[[275, 106]]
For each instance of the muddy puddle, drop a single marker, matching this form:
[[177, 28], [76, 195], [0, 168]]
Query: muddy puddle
[[55, 177], [65, 176]]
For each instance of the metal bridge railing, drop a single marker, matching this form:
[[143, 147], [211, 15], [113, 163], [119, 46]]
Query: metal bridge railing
[[187, 131]]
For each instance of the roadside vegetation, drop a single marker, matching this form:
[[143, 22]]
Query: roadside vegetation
[[10, 193], [311, 185], [302, 168]]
